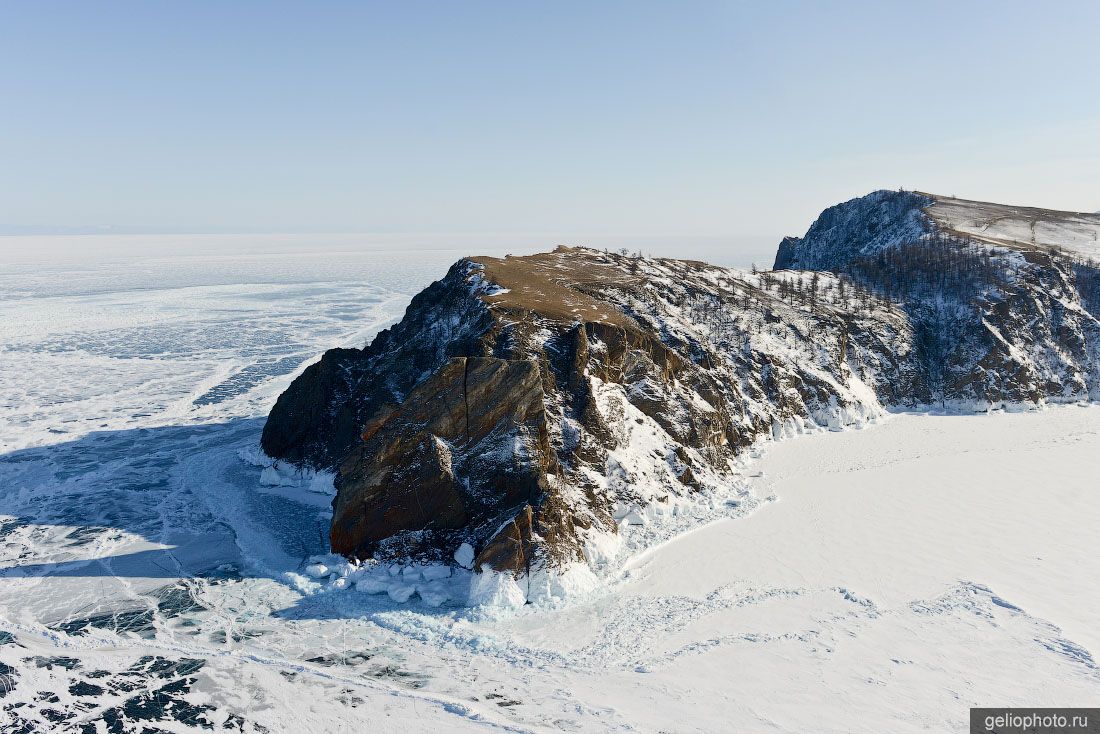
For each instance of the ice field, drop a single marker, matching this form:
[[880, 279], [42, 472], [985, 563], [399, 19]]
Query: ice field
[[888, 578]]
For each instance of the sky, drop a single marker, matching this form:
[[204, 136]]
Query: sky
[[649, 119]]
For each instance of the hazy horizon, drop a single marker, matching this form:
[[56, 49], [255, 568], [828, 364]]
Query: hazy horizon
[[34, 250], [706, 119]]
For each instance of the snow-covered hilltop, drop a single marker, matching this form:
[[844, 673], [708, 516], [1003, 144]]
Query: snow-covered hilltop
[[887, 219], [542, 417], [1002, 301], [1018, 226]]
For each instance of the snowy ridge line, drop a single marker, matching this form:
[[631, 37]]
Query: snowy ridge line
[[884, 219]]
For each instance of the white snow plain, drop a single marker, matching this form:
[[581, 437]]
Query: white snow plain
[[152, 574], [1019, 226]]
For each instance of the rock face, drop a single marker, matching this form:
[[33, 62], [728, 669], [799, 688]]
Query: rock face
[[466, 447], [856, 228], [1001, 300], [526, 406]]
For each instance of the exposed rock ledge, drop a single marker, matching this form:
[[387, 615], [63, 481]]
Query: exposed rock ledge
[[527, 406]]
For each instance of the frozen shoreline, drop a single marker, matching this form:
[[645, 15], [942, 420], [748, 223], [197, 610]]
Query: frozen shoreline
[[905, 571]]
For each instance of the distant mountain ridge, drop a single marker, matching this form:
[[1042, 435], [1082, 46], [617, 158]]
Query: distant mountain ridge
[[534, 407]]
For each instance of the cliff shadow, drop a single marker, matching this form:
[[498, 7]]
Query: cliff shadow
[[165, 502], [157, 507]]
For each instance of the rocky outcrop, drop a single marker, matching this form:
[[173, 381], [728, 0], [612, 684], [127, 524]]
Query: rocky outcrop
[[856, 228], [997, 296], [466, 451], [528, 406], [319, 418]]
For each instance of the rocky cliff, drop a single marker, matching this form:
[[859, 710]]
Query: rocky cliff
[[1001, 299], [528, 407]]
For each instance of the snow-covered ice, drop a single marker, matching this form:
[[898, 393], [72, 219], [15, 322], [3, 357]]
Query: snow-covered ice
[[153, 564]]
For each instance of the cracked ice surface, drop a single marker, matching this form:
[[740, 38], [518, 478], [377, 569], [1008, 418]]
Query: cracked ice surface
[[150, 576]]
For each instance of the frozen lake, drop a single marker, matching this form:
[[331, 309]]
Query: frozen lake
[[890, 578]]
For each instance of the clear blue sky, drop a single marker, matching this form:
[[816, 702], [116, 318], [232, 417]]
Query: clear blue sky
[[703, 118]]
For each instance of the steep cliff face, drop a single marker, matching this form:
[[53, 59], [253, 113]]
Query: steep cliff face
[[998, 297], [530, 408], [320, 417], [856, 228]]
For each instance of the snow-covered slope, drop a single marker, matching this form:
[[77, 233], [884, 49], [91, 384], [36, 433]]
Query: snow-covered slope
[[1018, 227], [882, 220], [1002, 315], [860, 227]]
